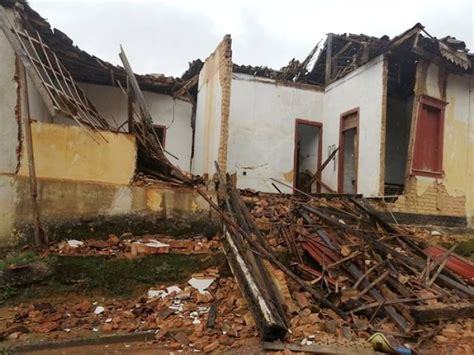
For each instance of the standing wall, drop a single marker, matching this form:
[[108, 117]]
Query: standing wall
[[212, 114], [451, 194], [174, 114], [262, 129], [363, 89]]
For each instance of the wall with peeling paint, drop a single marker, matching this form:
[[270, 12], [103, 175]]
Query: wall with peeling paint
[[77, 153], [75, 206], [9, 131], [262, 129], [175, 115], [82, 177], [9, 125], [453, 193], [262, 125]]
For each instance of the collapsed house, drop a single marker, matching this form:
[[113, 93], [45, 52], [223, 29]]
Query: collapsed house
[[85, 144], [393, 116], [90, 163], [398, 111]]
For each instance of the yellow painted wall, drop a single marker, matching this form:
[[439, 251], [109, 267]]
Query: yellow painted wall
[[81, 154]]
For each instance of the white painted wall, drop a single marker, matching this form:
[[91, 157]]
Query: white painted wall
[[262, 129], [208, 117], [363, 89], [8, 101], [38, 110], [8, 135], [175, 115], [470, 200], [262, 126]]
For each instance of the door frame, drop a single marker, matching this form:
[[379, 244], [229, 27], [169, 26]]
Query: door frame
[[342, 129], [304, 122]]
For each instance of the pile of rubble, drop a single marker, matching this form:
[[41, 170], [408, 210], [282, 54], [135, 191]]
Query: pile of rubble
[[382, 278], [206, 313], [353, 283], [370, 275], [130, 246]]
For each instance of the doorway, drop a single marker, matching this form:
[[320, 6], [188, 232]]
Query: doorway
[[348, 152], [307, 154], [401, 77]]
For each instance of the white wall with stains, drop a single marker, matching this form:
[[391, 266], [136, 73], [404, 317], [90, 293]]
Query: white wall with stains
[[362, 89], [262, 126], [8, 101], [9, 128], [175, 115], [208, 116], [262, 129]]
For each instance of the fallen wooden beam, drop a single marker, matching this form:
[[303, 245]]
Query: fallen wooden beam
[[270, 257], [317, 174], [412, 261], [426, 314], [269, 325]]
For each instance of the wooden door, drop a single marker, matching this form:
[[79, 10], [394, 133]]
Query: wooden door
[[348, 152]]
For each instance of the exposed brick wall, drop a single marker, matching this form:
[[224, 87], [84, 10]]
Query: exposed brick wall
[[425, 197], [224, 51], [434, 201]]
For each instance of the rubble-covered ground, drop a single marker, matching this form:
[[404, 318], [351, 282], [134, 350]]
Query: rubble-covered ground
[[201, 309]]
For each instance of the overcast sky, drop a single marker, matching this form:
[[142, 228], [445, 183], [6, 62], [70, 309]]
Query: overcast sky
[[162, 36]]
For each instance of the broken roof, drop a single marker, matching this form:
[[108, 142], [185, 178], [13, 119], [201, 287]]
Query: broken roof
[[349, 51], [83, 66]]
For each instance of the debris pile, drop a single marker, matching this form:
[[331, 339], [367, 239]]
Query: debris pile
[[378, 276], [130, 246], [206, 313], [353, 282]]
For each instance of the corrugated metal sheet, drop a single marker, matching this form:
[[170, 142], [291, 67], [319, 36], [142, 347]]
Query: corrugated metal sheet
[[455, 263]]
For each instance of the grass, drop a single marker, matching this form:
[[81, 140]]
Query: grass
[[122, 276], [23, 257], [109, 276], [465, 247]]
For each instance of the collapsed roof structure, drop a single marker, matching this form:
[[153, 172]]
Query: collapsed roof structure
[[340, 54], [361, 263], [83, 66], [55, 65]]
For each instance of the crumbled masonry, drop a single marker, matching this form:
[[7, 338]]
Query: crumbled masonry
[[306, 272]]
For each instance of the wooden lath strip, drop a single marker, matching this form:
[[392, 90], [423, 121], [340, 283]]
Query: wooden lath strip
[[81, 99], [53, 81], [22, 54], [86, 112], [58, 79]]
